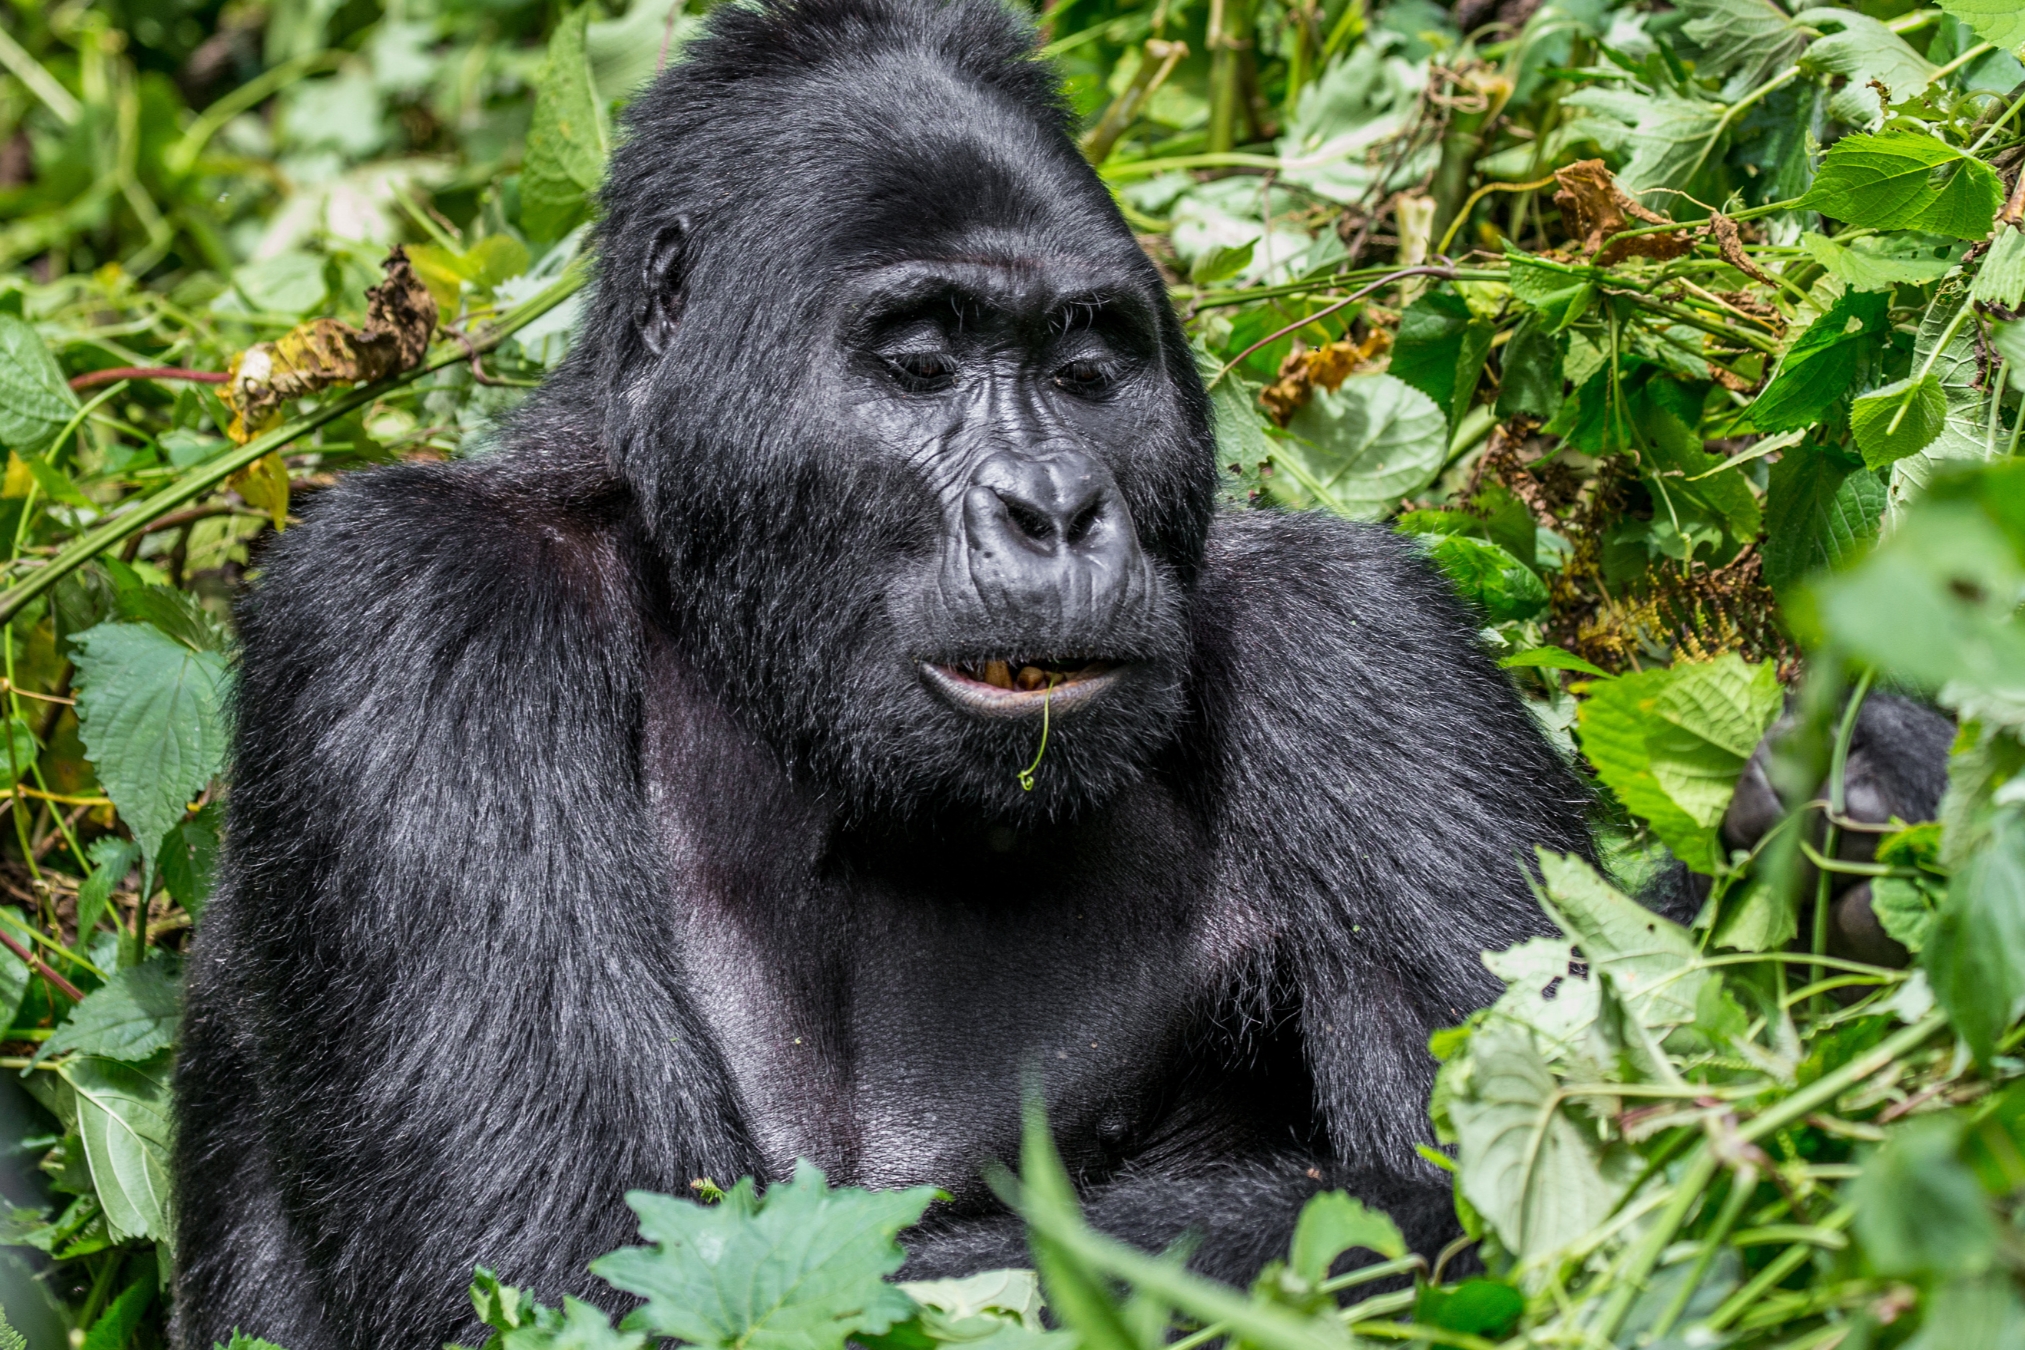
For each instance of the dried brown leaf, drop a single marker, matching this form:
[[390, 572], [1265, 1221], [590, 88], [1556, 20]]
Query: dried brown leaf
[[313, 356], [1593, 208], [1732, 248], [1328, 366]]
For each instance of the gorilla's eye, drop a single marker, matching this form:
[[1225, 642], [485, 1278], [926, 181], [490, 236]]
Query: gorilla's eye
[[923, 372], [1086, 375]]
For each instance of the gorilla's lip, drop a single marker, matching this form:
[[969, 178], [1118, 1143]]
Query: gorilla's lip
[[972, 688]]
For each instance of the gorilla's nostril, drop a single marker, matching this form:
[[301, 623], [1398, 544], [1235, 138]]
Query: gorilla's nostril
[[1085, 521], [1032, 523]]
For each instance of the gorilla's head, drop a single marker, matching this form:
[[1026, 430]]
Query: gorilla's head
[[915, 429]]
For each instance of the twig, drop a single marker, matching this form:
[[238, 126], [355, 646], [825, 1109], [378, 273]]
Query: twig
[[56, 981], [1445, 273], [113, 373]]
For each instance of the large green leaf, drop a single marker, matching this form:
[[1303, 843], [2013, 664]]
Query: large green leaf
[[1332, 1223], [1530, 371], [123, 1115], [130, 1017], [1362, 448], [1489, 578], [1613, 723], [1877, 262], [801, 1268], [1905, 180], [1820, 512], [1864, 50], [1900, 419], [1998, 21], [1975, 952], [1746, 38], [1822, 361], [1668, 138], [34, 400], [567, 141], [1530, 1170], [1441, 350], [1651, 961], [151, 712]]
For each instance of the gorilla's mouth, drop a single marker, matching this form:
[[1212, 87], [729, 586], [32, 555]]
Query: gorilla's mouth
[[1019, 687]]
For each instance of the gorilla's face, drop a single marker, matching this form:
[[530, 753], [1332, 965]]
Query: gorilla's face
[[932, 470]]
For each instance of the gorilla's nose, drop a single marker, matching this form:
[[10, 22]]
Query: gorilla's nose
[[1042, 523]]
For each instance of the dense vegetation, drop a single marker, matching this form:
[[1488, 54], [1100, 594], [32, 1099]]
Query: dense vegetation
[[1686, 339]]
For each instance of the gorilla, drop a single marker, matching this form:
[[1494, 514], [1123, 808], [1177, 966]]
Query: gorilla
[[833, 703]]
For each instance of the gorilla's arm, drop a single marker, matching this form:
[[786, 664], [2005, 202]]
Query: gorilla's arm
[[439, 928], [1377, 789]]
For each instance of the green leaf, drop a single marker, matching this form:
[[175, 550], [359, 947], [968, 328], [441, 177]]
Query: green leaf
[[2001, 283], [123, 1115], [1361, 449], [1553, 658], [567, 141], [1475, 1307], [151, 712], [1650, 960], [1975, 953], [13, 988], [1762, 919], [130, 1017], [10, 1339], [122, 1317], [1904, 180], [1822, 361], [1008, 1293], [1878, 262], [1243, 448], [1441, 349], [801, 1268], [1498, 585], [189, 859], [1545, 993], [578, 1326], [1900, 419], [1919, 1209], [1613, 723], [111, 859], [35, 402], [1222, 263], [1333, 1222], [242, 1341], [1531, 371], [1819, 513], [1904, 910], [18, 749], [1559, 296], [1863, 51], [1998, 21], [1530, 1171], [1750, 38]]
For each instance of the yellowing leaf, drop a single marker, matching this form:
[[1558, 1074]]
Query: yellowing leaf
[[264, 486]]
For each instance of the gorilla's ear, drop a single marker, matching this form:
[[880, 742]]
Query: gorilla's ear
[[663, 279]]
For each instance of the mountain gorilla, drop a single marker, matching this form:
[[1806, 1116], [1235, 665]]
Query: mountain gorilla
[[643, 800]]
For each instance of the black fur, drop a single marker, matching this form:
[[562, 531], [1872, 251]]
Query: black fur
[[593, 826]]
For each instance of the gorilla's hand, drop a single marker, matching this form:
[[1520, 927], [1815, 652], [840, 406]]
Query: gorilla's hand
[[1897, 769]]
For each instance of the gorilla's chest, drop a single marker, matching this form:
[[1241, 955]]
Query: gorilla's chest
[[879, 1003]]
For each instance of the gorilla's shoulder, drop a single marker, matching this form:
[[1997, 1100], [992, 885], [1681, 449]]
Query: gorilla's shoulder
[[470, 530], [1325, 645]]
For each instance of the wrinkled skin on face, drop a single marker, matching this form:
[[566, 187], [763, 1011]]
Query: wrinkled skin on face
[[978, 446]]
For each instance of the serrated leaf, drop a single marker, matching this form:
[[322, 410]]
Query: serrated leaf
[[1864, 50], [1498, 585], [1819, 366], [35, 402], [1441, 349], [1544, 993], [801, 1268], [1998, 21], [189, 859], [1900, 419], [1819, 513], [152, 716], [111, 858], [567, 140], [1612, 725], [130, 1018], [1362, 448], [1904, 180], [1651, 961], [1670, 138], [1975, 952], [2002, 281], [1748, 38], [1528, 1169], [577, 1326], [1877, 262], [1530, 371], [123, 1115]]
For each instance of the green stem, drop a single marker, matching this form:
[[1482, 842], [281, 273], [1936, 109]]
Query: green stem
[[1743, 1182], [2002, 118], [1838, 765], [1701, 1169], [1830, 1086]]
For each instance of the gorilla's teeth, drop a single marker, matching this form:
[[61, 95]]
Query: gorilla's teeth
[[998, 674], [1031, 678]]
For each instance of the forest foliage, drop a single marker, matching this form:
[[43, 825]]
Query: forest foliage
[[1687, 339]]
